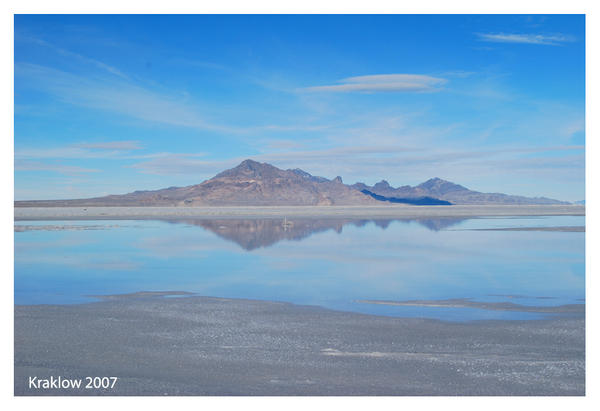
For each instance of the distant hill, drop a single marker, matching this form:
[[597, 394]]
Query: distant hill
[[249, 184], [447, 191], [260, 184]]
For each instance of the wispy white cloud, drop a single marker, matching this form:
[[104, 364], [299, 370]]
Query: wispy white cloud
[[291, 127], [117, 96], [383, 83], [23, 165], [572, 128], [458, 73], [181, 164], [282, 144], [543, 39], [199, 63], [108, 150], [97, 63], [103, 150], [368, 160], [69, 152], [112, 145]]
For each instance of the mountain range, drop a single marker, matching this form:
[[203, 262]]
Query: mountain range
[[450, 192], [260, 184]]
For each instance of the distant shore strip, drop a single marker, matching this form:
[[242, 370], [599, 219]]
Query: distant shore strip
[[388, 211]]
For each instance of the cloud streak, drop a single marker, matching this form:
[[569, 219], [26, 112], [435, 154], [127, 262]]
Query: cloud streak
[[22, 165], [116, 96], [112, 150], [547, 40], [99, 64], [103, 150], [183, 164], [396, 83], [365, 159], [112, 145]]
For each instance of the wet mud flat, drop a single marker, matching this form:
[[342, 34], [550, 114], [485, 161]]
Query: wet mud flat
[[158, 345]]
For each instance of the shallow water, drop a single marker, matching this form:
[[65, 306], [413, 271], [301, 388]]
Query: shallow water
[[332, 263]]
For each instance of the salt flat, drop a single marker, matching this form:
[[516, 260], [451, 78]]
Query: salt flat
[[388, 211], [217, 346]]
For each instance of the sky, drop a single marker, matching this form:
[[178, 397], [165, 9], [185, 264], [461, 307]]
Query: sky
[[109, 104]]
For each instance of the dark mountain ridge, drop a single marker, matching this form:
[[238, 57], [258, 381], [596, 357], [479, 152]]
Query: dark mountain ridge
[[260, 184], [454, 193], [410, 200]]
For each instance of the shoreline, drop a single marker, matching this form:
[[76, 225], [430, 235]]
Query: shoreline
[[196, 345], [388, 211]]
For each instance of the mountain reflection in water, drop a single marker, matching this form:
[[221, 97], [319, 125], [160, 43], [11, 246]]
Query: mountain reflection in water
[[251, 234], [346, 260]]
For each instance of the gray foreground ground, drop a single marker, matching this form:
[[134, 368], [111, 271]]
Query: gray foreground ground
[[212, 346], [390, 211]]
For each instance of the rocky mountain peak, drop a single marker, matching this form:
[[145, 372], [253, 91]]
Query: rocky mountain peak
[[300, 172], [249, 163], [382, 185], [308, 176], [438, 186], [250, 168]]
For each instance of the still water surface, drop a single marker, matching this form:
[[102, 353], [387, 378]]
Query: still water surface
[[333, 263]]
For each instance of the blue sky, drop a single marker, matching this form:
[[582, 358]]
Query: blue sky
[[113, 104]]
